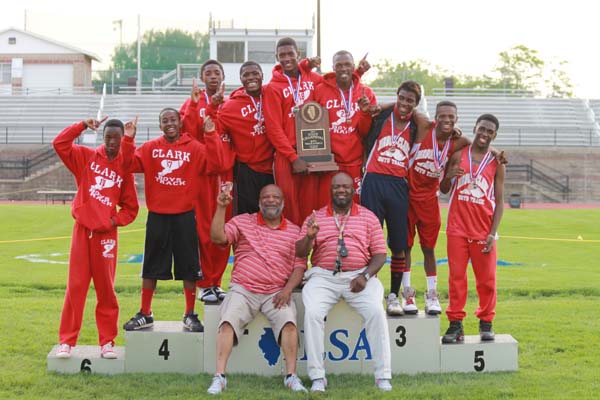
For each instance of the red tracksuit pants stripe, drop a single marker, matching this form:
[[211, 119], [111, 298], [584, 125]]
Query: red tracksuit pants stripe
[[94, 259], [484, 267]]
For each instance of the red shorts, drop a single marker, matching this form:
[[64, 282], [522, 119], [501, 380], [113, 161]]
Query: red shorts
[[424, 216]]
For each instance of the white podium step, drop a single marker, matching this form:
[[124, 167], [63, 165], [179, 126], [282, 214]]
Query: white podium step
[[415, 347], [474, 355], [414, 339], [415, 343], [165, 347], [86, 359], [257, 351]]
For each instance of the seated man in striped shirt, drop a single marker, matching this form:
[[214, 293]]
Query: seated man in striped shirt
[[348, 250], [265, 271]]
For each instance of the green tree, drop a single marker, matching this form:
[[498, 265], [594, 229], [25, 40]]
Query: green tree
[[520, 68], [163, 50], [558, 83], [389, 75]]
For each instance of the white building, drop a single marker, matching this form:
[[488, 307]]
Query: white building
[[232, 47], [34, 64]]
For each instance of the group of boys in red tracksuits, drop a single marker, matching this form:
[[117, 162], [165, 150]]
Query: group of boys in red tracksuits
[[241, 143]]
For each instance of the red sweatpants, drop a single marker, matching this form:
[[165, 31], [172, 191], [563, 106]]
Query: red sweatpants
[[325, 183], [300, 191], [91, 258], [460, 249], [213, 258]]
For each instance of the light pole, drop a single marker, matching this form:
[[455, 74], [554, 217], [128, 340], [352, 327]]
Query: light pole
[[119, 22]]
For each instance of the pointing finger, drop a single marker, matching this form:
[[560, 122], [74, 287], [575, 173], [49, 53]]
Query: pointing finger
[[365, 57]]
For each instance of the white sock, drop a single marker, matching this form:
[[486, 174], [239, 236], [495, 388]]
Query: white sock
[[432, 282], [406, 279]]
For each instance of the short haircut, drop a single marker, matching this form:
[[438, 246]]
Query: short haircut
[[445, 103], [411, 86], [489, 117], [249, 63], [167, 109], [342, 53], [114, 123], [211, 62], [286, 41]]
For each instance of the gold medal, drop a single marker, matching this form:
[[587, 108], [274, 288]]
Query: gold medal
[[392, 149], [348, 121]]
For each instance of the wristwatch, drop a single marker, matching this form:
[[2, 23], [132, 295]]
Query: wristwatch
[[366, 275]]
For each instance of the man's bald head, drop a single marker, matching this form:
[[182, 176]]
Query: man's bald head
[[342, 190]]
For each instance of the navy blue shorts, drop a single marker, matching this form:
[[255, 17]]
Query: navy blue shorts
[[387, 197], [171, 239]]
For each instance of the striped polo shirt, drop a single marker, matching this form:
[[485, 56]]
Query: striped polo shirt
[[264, 257], [362, 234]]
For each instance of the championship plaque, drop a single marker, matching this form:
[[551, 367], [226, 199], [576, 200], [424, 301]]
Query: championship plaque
[[313, 142]]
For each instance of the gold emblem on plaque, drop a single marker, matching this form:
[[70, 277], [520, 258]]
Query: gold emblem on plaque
[[311, 113]]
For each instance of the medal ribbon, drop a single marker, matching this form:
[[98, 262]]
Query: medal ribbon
[[396, 137], [295, 93], [487, 158], [257, 106], [439, 157], [347, 103]]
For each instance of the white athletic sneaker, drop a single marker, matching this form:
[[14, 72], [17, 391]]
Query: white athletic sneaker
[[220, 293], [64, 351], [108, 351], [383, 385], [432, 304], [219, 383], [393, 306], [319, 385], [294, 383], [408, 301], [208, 295]]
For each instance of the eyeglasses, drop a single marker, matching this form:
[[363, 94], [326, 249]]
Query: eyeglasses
[[342, 252]]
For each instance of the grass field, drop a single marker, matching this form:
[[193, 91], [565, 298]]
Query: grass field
[[548, 299]]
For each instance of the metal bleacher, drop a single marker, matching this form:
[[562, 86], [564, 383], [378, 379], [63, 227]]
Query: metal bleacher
[[38, 119], [527, 121], [524, 121]]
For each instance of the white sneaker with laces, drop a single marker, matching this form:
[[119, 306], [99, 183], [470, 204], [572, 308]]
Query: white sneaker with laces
[[294, 383], [319, 385], [432, 303], [208, 295], [108, 351], [393, 306], [219, 383], [220, 293], [64, 351], [408, 301], [383, 385]]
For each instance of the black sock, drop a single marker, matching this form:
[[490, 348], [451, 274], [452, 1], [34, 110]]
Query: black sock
[[396, 281]]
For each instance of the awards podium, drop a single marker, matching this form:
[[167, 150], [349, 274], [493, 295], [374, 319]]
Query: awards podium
[[414, 339]]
